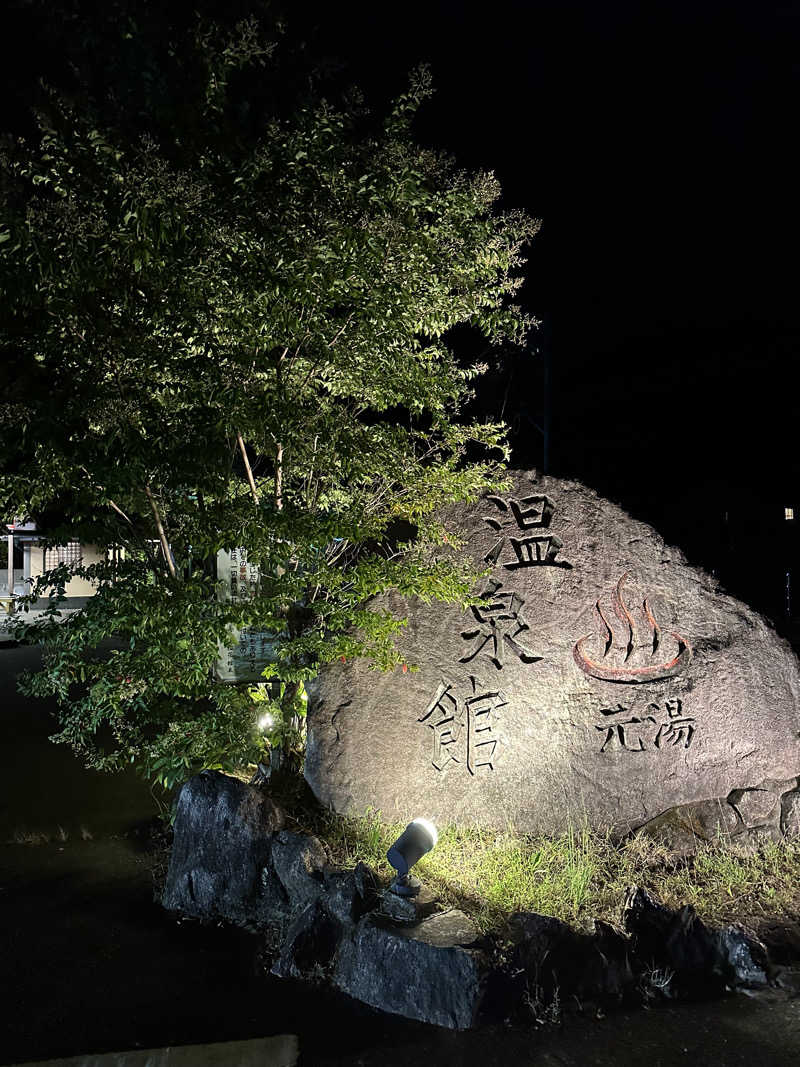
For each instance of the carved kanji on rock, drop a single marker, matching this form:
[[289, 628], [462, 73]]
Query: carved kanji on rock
[[677, 729], [631, 734], [463, 727], [500, 623], [627, 734], [517, 516], [446, 725], [618, 719]]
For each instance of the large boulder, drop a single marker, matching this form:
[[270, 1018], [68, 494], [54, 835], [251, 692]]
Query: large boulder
[[601, 678]]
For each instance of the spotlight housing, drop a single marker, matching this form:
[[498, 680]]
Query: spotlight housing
[[418, 838]]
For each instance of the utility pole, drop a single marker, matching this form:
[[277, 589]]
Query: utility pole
[[547, 403], [544, 426]]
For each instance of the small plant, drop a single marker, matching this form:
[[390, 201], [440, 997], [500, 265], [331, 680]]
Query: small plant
[[580, 868], [29, 837], [655, 983], [544, 1012]]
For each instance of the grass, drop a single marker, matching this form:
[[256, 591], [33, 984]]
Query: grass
[[580, 874], [23, 836]]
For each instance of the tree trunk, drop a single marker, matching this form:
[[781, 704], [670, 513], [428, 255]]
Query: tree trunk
[[279, 477]]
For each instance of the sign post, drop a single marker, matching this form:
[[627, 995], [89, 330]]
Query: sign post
[[244, 660], [8, 603]]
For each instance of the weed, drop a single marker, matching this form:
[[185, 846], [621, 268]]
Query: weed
[[29, 837], [655, 984], [544, 1012]]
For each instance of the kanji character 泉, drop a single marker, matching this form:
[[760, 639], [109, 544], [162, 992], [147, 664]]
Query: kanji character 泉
[[500, 622]]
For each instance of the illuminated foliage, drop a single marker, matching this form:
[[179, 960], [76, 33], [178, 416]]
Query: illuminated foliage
[[220, 343]]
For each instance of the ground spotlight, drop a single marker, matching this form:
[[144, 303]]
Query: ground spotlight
[[419, 837]]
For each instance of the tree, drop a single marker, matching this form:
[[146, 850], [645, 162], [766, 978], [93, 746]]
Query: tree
[[224, 343]]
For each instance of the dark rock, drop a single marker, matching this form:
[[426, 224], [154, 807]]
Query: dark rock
[[673, 940], [310, 942], [605, 678], [426, 902], [610, 976], [699, 961], [446, 929], [274, 904], [350, 894], [743, 955], [427, 972], [559, 964], [366, 880], [222, 842], [406, 910], [397, 909], [298, 861]]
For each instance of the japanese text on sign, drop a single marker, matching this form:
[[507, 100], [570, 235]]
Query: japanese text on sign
[[251, 650]]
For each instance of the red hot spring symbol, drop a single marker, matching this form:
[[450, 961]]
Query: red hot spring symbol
[[644, 653]]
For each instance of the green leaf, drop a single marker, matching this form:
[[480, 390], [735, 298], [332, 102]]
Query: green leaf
[[305, 317]]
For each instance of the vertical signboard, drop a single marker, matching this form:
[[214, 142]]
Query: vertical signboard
[[237, 580]]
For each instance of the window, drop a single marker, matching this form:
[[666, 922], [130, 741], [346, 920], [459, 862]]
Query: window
[[70, 554], [788, 513]]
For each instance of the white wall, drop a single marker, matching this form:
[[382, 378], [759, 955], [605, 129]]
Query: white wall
[[75, 586]]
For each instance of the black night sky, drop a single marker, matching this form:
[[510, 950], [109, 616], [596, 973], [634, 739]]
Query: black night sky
[[656, 141], [657, 144]]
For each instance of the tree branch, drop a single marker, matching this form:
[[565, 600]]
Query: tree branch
[[247, 467], [162, 535]]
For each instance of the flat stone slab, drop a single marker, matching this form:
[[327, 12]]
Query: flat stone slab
[[280, 1051], [602, 678], [427, 972]]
